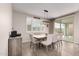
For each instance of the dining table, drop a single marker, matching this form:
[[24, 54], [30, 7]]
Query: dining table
[[40, 37]]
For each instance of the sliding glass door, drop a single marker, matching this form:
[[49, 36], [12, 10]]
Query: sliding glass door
[[65, 26]]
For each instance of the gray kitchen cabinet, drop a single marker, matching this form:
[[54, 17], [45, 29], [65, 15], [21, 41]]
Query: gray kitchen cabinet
[[15, 46]]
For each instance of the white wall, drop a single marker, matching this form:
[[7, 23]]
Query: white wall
[[51, 27], [5, 27], [19, 24], [76, 28]]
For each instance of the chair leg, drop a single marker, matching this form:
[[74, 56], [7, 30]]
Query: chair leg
[[47, 49], [61, 43], [30, 44], [57, 46], [51, 46]]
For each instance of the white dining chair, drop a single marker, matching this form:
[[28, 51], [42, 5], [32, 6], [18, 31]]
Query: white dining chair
[[48, 42], [57, 41], [54, 40], [60, 38], [33, 42]]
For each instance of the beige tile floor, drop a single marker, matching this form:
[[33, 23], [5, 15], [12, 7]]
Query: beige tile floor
[[66, 49]]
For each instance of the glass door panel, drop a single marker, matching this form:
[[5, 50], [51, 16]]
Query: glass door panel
[[65, 26]]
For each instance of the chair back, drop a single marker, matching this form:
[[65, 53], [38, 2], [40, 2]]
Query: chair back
[[33, 39], [49, 37], [54, 37], [30, 35], [58, 36]]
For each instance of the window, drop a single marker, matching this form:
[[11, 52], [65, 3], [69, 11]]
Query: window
[[33, 24], [36, 25], [28, 23], [59, 27]]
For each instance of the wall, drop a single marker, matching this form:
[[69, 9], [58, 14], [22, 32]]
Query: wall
[[19, 24], [51, 27], [76, 28], [5, 27]]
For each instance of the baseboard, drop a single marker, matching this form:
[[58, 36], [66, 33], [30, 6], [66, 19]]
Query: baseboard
[[67, 41], [76, 43], [71, 42], [26, 42]]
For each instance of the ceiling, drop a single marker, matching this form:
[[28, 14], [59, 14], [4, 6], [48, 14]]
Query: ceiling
[[66, 20], [54, 9]]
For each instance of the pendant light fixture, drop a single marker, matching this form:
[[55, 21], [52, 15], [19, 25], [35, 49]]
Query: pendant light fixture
[[46, 16]]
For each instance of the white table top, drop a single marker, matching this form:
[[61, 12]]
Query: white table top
[[39, 36]]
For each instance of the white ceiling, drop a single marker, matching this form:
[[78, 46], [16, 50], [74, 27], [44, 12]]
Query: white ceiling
[[67, 19], [54, 9]]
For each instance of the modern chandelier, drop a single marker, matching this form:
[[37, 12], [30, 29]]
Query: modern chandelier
[[45, 14]]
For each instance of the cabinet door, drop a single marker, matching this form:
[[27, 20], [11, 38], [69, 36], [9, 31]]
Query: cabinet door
[[15, 47]]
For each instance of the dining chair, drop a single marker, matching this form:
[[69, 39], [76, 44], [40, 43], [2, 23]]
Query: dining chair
[[57, 41], [48, 42], [33, 42], [60, 38]]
